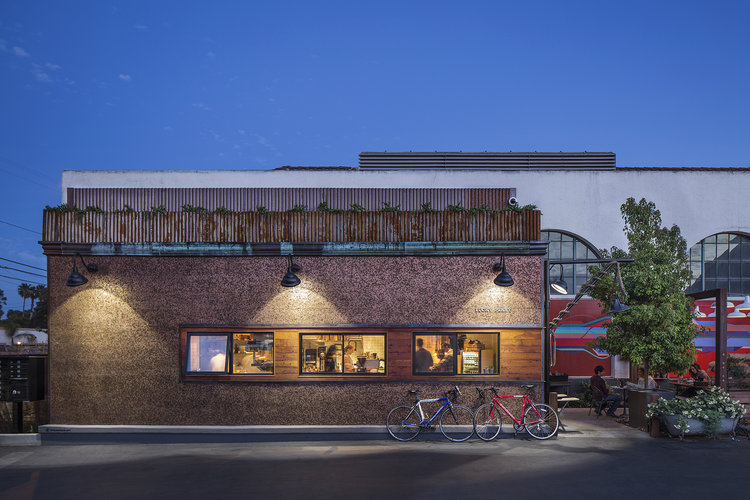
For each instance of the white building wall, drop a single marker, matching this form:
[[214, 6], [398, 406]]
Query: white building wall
[[587, 203]]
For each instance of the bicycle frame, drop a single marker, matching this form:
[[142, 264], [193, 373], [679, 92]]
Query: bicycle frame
[[418, 404], [527, 403]]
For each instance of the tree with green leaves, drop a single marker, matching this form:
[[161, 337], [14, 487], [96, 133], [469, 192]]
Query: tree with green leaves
[[657, 331], [3, 301], [26, 291]]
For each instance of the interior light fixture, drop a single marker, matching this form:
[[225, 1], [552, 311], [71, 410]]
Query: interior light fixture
[[730, 304], [77, 279], [618, 305], [504, 278], [290, 279], [560, 285], [745, 306], [698, 313]]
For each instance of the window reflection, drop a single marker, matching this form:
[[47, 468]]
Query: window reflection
[[207, 353]]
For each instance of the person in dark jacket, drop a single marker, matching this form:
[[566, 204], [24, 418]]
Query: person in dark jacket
[[603, 394]]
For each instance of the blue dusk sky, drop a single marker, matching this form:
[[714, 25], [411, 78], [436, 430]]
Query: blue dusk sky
[[185, 84]]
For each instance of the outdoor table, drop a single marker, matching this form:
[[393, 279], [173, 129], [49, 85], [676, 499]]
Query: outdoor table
[[567, 400], [681, 387], [624, 390]]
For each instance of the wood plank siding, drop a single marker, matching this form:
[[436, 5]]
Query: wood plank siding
[[145, 227]]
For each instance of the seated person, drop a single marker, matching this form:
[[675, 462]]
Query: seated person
[[639, 384], [603, 394], [700, 375], [446, 362]]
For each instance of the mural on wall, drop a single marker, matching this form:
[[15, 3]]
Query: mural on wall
[[585, 322]]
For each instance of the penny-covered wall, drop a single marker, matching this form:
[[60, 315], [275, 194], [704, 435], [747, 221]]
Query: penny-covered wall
[[116, 345]]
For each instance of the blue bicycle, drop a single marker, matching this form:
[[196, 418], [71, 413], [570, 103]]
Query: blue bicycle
[[405, 422]]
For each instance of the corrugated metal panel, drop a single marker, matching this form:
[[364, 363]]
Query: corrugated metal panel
[[283, 199], [488, 161], [289, 227]]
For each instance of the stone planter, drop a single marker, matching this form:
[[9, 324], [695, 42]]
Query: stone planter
[[697, 427]]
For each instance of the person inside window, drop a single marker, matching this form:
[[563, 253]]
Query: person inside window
[[422, 358], [446, 361], [639, 384], [601, 392], [350, 365], [329, 364]]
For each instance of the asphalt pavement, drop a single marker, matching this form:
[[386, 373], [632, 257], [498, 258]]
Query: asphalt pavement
[[594, 457]]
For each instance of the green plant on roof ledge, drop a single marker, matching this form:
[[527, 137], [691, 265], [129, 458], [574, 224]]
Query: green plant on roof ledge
[[387, 207]]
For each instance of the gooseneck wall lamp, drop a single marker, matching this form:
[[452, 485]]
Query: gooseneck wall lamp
[[77, 279], [504, 278], [560, 285], [290, 279]]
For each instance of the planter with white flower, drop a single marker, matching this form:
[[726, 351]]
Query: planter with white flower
[[711, 412]]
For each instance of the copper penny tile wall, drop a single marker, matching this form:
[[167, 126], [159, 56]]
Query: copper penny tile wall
[[115, 343]]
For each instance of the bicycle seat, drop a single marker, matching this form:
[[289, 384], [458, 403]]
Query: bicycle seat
[[528, 387], [414, 391]]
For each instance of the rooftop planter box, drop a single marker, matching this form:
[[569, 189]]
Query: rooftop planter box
[[322, 227]]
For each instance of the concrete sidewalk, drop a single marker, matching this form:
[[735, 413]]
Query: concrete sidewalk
[[577, 423]]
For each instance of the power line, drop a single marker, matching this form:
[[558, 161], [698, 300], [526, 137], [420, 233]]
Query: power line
[[24, 281], [17, 166], [22, 264], [22, 271], [20, 227]]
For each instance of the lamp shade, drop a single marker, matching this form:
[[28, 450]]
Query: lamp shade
[[698, 313], [736, 314], [617, 306], [75, 278], [290, 279], [560, 286], [729, 305], [503, 279], [745, 306]]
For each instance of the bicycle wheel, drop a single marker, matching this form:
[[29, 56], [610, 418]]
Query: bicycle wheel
[[457, 423], [541, 421], [487, 422], [403, 423]]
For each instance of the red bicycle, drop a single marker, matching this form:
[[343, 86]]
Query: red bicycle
[[537, 419]]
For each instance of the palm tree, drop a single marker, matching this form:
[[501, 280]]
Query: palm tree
[[37, 292], [25, 291]]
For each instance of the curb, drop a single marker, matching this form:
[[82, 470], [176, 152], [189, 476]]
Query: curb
[[20, 440], [74, 434]]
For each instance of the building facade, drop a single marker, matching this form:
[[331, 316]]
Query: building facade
[[185, 321]]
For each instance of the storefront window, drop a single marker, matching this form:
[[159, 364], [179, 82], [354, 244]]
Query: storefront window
[[342, 354], [434, 354], [207, 353], [478, 354], [250, 353]]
